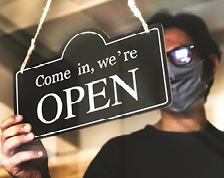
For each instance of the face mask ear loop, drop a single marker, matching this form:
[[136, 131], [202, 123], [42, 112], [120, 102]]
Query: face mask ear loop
[[202, 67], [206, 85]]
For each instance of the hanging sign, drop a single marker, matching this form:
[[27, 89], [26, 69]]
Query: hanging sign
[[96, 79]]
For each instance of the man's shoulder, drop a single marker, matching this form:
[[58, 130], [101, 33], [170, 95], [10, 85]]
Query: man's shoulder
[[215, 130], [136, 136]]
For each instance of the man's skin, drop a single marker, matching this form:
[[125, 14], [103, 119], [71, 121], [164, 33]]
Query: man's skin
[[31, 158], [15, 134]]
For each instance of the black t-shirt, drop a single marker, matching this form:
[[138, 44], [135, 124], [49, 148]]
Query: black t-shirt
[[153, 153]]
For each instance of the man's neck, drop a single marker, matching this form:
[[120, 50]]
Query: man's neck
[[188, 122]]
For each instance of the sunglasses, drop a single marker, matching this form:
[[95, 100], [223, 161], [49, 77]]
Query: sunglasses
[[181, 55]]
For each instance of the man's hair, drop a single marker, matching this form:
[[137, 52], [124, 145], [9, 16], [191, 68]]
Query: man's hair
[[197, 29]]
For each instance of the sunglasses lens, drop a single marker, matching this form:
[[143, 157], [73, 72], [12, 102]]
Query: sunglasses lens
[[181, 56]]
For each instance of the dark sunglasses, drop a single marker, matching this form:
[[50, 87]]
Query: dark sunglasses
[[181, 55]]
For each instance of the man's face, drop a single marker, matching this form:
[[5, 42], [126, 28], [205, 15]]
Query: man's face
[[175, 37], [187, 88]]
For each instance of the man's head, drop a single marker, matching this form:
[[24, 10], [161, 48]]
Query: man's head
[[185, 29]]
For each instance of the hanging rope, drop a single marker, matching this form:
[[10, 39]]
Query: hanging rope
[[131, 4], [137, 13], [33, 40]]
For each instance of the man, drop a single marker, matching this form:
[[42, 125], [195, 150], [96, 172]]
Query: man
[[182, 144]]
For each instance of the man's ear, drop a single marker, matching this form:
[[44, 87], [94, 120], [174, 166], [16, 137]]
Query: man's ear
[[216, 64], [210, 74]]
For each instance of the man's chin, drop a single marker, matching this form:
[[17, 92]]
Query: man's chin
[[179, 112], [175, 109]]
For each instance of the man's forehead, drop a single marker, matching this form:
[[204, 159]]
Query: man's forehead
[[175, 37]]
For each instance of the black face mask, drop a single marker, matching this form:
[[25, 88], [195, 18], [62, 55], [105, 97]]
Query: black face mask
[[186, 86]]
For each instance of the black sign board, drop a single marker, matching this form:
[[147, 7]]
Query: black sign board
[[96, 79]]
